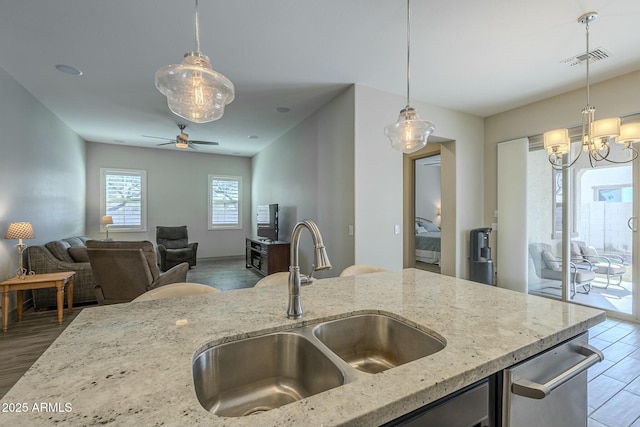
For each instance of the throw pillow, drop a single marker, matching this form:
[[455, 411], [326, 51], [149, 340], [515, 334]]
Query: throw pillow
[[576, 252], [78, 253], [590, 254], [551, 261]]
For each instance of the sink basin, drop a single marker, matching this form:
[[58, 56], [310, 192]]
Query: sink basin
[[373, 343], [258, 374]]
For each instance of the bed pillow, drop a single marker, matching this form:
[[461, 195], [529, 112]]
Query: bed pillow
[[420, 230], [429, 226]]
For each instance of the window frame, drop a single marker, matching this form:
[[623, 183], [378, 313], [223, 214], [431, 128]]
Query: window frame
[[142, 227], [219, 226]]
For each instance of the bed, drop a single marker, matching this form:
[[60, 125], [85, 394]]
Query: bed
[[427, 241]]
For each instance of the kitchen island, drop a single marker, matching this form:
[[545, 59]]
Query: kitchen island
[[131, 364]]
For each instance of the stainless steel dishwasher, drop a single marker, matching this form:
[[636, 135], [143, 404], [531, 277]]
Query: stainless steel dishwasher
[[550, 389]]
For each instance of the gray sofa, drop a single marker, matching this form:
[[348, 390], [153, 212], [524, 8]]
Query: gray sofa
[[63, 255]]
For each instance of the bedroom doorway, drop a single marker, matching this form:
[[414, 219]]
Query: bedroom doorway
[[428, 212], [423, 208]]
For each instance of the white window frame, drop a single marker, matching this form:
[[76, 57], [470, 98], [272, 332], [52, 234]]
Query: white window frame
[[220, 226], [143, 199]]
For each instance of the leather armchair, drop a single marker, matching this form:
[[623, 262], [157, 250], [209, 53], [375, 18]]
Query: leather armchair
[[125, 270], [174, 247]]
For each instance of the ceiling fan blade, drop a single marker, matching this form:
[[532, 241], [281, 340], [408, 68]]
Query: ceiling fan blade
[[158, 137], [193, 146], [166, 143], [205, 142]]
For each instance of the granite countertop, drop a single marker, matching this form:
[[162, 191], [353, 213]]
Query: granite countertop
[[130, 364]]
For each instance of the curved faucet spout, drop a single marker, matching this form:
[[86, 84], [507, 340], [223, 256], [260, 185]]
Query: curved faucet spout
[[294, 310]]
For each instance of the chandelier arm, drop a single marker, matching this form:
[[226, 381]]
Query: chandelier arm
[[619, 162], [568, 165]]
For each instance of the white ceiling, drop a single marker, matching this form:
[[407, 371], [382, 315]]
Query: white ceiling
[[479, 57]]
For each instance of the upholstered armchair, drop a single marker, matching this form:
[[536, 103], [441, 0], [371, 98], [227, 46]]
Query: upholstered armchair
[[125, 270], [174, 247]]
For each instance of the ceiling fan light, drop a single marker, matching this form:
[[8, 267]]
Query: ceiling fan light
[[194, 90], [629, 133], [409, 133], [557, 141]]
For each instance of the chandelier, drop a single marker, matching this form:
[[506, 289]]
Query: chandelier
[[193, 89], [409, 133], [596, 134]]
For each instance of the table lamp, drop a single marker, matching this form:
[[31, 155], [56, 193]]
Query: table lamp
[[106, 220], [20, 230]]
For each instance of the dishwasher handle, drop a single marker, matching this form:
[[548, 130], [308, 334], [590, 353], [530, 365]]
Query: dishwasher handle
[[535, 390]]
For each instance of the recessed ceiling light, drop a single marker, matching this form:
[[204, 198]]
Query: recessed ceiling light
[[283, 109], [253, 137], [68, 69]]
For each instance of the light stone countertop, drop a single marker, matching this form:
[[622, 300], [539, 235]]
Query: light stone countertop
[[130, 365]]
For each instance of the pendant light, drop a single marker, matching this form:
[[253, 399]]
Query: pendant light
[[596, 134], [193, 89], [409, 133]]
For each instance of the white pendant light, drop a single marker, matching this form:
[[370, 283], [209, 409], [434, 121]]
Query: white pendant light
[[193, 89], [596, 134], [409, 133]]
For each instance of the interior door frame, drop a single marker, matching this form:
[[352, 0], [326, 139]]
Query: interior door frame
[[409, 200]]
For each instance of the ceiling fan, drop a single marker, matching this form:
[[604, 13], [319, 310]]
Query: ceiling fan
[[182, 140]]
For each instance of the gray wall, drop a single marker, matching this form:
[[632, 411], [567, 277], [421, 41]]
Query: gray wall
[[177, 193], [309, 173], [42, 177], [379, 181]]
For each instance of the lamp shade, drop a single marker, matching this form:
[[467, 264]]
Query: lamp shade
[[629, 132], [19, 230], [605, 128], [106, 220], [194, 90], [409, 133], [557, 141]]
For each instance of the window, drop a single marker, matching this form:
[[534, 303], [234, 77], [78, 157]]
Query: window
[[123, 195], [613, 194], [225, 209]]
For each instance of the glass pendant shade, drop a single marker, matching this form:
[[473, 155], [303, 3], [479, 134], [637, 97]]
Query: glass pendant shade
[[605, 128], [409, 133], [629, 133], [194, 90], [557, 141]]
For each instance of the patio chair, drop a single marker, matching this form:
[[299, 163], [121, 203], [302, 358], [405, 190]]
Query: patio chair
[[549, 266], [610, 265]]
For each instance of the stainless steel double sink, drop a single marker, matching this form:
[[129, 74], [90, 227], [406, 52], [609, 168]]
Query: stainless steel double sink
[[257, 374]]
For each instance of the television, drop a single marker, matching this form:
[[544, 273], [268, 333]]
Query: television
[[268, 221]]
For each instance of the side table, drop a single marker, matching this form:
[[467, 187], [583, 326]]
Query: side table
[[37, 281]]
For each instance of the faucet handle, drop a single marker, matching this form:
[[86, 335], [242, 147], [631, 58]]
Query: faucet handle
[[307, 280]]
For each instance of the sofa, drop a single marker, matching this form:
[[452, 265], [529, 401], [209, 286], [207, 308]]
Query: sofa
[[68, 254]]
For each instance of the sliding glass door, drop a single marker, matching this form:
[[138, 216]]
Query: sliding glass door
[[598, 205]]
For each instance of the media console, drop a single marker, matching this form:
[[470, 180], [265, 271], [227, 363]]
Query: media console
[[267, 257]]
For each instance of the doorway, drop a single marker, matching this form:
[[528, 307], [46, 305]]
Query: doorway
[[422, 207], [428, 212]]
